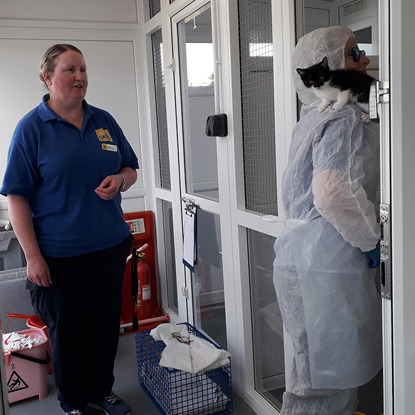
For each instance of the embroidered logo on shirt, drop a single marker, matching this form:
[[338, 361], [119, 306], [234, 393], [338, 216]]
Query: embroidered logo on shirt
[[103, 135], [109, 147]]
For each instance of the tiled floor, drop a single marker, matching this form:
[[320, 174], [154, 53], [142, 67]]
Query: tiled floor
[[126, 386]]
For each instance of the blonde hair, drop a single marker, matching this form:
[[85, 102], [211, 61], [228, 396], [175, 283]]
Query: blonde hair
[[48, 61]]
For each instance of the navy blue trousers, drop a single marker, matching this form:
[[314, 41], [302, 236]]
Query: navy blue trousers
[[82, 310]]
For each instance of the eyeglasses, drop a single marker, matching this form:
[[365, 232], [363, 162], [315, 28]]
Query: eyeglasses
[[356, 52], [180, 338]]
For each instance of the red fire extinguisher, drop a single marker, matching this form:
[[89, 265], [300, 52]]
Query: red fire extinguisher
[[144, 288]]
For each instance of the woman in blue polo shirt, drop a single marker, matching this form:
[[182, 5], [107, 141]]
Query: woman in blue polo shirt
[[68, 162]]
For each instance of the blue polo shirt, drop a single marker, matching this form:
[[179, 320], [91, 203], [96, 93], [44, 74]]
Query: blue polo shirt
[[57, 167]]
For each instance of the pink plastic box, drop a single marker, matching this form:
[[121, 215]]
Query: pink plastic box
[[26, 374]]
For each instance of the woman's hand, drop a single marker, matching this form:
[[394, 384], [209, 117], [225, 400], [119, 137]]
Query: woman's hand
[[38, 271], [109, 187], [21, 219]]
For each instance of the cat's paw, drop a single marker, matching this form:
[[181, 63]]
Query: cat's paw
[[338, 106], [365, 117], [322, 106]]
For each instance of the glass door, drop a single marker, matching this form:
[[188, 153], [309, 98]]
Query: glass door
[[194, 55]]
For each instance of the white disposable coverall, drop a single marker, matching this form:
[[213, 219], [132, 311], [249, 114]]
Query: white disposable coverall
[[326, 292]]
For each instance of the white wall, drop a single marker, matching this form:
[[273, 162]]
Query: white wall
[[321, 13], [106, 31], [105, 11], [402, 123]]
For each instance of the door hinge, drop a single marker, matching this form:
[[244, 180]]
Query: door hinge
[[385, 252], [190, 203], [379, 94], [383, 92], [185, 292], [172, 65]]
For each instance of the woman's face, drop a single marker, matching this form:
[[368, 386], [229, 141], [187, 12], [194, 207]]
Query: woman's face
[[68, 82], [350, 64]]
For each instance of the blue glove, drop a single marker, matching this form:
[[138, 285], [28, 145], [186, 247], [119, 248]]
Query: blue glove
[[374, 256]]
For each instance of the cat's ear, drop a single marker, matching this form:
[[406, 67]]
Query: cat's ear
[[324, 62], [301, 72]]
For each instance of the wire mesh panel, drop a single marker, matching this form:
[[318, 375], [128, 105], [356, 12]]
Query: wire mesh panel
[[161, 114], [154, 6], [176, 392], [257, 98]]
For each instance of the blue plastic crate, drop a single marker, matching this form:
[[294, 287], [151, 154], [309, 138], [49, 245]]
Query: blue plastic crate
[[175, 392]]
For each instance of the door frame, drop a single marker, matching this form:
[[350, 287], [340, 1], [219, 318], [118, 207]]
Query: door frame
[[385, 189]]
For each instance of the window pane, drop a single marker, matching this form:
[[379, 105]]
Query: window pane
[[257, 96], [154, 6], [198, 102], [207, 282], [170, 256], [266, 319], [163, 178]]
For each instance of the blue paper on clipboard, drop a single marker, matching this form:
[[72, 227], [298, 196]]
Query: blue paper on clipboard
[[189, 236]]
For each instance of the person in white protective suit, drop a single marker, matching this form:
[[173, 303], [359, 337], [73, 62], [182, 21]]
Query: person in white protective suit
[[324, 269]]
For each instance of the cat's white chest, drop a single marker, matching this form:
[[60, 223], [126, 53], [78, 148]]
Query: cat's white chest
[[328, 92]]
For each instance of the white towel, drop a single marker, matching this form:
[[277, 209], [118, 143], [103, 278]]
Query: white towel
[[196, 357]]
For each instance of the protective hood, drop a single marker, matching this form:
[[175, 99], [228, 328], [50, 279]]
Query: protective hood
[[312, 48]]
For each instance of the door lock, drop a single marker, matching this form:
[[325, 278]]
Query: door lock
[[385, 252]]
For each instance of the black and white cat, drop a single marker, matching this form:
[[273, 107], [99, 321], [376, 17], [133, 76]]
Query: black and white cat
[[340, 86]]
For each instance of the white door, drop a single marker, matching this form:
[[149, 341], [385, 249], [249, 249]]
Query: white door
[[196, 93], [402, 199]]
